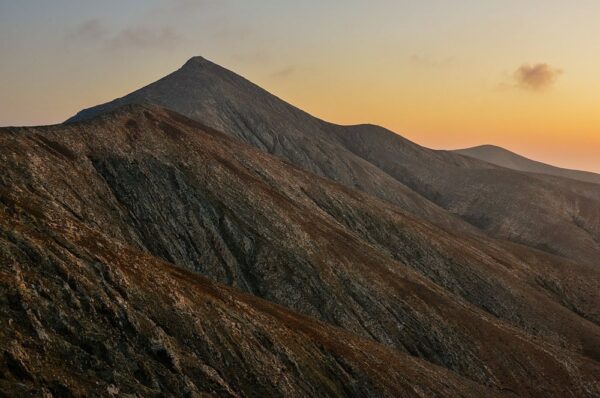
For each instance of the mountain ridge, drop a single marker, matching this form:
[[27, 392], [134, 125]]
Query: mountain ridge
[[219, 98], [456, 192], [198, 198]]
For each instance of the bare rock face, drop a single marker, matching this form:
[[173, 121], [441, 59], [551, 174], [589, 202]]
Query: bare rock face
[[134, 188], [554, 216]]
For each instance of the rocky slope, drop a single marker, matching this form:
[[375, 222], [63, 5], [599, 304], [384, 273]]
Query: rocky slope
[[434, 185], [501, 316], [505, 158], [227, 102], [85, 316]]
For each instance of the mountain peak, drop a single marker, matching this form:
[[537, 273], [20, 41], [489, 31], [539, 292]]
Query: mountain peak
[[196, 61]]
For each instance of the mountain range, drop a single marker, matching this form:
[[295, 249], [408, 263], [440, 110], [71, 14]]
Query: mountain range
[[202, 237], [444, 187]]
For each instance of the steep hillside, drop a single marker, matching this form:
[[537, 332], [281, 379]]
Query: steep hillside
[[165, 185], [227, 102], [434, 185], [550, 214], [85, 316]]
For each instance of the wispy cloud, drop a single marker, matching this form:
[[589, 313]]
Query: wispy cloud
[[144, 38], [254, 56], [536, 77], [89, 30], [95, 31], [187, 5], [428, 62], [284, 72], [184, 7]]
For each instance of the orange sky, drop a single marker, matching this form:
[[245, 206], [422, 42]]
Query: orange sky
[[446, 74]]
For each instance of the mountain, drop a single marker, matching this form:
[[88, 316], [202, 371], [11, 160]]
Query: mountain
[[453, 191], [551, 215], [99, 216], [227, 102], [505, 158], [83, 315]]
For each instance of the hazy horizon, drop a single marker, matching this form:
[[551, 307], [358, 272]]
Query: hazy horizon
[[520, 75]]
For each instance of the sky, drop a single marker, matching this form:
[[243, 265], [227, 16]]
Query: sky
[[444, 73]]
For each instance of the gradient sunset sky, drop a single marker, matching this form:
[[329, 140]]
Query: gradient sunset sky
[[448, 74]]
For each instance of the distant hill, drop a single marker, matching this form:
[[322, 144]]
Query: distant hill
[[505, 158]]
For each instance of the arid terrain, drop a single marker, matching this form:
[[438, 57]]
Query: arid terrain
[[201, 237], [441, 186]]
